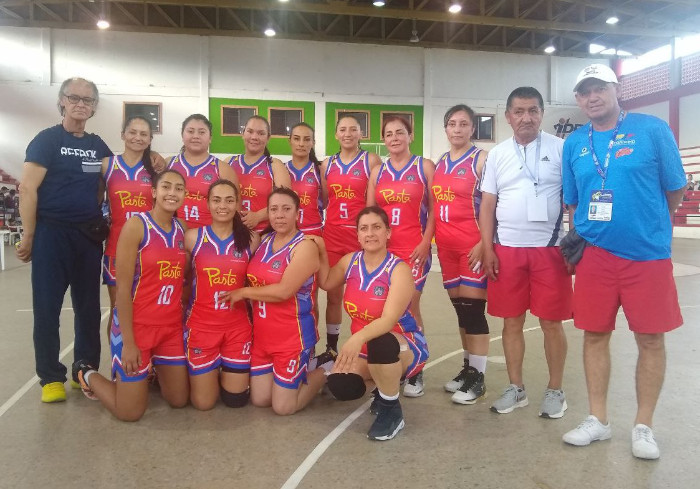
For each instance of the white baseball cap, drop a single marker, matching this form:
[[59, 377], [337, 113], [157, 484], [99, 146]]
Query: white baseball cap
[[597, 71]]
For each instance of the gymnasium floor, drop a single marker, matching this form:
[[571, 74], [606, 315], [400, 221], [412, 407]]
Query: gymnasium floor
[[79, 444]]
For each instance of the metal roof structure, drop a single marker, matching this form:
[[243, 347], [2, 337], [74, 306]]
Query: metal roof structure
[[518, 26]]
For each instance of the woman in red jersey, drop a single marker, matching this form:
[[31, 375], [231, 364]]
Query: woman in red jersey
[[456, 199], [344, 178], [282, 279], [128, 180], [305, 176], [199, 168], [401, 186], [386, 343], [147, 323], [219, 337], [258, 173]]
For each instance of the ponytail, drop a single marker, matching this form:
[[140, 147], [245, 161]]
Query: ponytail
[[314, 158], [147, 162]]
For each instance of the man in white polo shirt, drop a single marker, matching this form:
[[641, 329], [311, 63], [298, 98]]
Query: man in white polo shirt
[[521, 226]]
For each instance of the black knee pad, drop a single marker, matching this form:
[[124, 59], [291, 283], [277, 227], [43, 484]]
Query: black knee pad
[[346, 387], [470, 314], [235, 399], [383, 350]]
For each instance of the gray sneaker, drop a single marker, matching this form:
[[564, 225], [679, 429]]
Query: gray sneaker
[[513, 397], [553, 405]]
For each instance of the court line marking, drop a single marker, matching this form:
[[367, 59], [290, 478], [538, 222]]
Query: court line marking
[[298, 475], [30, 383]]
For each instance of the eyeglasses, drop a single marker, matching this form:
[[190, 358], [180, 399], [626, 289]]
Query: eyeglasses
[[74, 99]]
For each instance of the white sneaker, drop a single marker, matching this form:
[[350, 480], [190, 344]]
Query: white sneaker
[[590, 430], [643, 443], [414, 386]]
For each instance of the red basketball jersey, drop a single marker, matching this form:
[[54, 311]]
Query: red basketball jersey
[[128, 193], [347, 189], [217, 266], [256, 182], [403, 194], [307, 184], [289, 325], [197, 181], [456, 201], [159, 274], [366, 293]]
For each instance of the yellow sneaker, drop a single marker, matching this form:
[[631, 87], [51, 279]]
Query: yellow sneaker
[[53, 392], [74, 384]]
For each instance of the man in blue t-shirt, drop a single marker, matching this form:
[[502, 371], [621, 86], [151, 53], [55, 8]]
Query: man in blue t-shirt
[[623, 179], [60, 195]]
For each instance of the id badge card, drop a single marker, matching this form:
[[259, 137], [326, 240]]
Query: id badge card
[[537, 208], [601, 205]]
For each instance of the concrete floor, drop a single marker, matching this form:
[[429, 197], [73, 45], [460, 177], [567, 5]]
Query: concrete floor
[[79, 444]]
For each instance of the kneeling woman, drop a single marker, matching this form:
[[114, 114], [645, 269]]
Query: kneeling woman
[[219, 336], [386, 343], [282, 279], [147, 322]]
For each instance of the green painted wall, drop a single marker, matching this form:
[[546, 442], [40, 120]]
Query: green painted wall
[[234, 144], [375, 127]]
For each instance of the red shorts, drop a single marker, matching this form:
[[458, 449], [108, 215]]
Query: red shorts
[[312, 232], [159, 345], [208, 350], [645, 290], [419, 274], [531, 278], [109, 270], [340, 240], [288, 367], [456, 270]]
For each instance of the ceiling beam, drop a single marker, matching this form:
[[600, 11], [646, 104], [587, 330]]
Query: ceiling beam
[[342, 8]]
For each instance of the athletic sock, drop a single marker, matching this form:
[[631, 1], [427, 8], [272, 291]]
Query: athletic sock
[[332, 334], [389, 399], [466, 356], [87, 375], [478, 362]]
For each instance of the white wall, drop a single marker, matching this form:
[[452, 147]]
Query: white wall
[[182, 72], [689, 122], [659, 110]]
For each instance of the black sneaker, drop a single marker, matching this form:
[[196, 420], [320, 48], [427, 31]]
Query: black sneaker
[[326, 359], [455, 384], [80, 368], [472, 389], [374, 407], [389, 421]]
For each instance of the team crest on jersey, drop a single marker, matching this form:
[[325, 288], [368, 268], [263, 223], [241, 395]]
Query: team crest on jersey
[[208, 177], [309, 179], [197, 351], [145, 179], [276, 264], [180, 244], [260, 173], [356, 172], [237, 254], [411, 178], [379, 291], [461, 172]]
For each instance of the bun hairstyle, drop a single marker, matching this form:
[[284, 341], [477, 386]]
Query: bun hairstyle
[[196, 117], [373, 209], [312, 153], [241, 234], [266, 151], [146, 159], [459, 108]]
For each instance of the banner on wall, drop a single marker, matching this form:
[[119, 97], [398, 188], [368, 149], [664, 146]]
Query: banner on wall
[[562, 121]]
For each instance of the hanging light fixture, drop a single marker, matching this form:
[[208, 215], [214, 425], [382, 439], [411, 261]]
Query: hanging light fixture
[[414, 33], [455, 8]]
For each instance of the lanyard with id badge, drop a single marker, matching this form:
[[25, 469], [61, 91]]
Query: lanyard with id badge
[[536, 202], [600, 207]]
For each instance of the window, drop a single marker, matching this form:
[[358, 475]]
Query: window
[[484, 127], [408, 116], [233, 119], [149, 110], [282, 120], [362, 117]]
